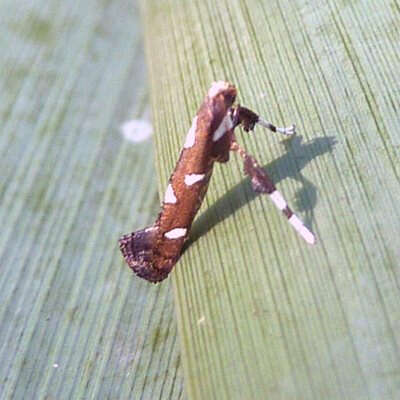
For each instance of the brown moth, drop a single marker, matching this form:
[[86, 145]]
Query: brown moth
[[152, 252]]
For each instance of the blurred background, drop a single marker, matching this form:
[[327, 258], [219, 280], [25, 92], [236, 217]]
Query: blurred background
[[74, 322]]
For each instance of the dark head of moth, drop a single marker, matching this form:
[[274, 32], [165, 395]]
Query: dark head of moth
[[152, 252]]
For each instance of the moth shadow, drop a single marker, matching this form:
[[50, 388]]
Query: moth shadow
[[298, 155]]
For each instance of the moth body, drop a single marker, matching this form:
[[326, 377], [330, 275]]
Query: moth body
[[152, 252]]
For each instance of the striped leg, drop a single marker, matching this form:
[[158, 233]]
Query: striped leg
[[287, 131], [249, 118], [262, 183]]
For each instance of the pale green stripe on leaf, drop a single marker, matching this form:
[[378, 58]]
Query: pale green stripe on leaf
[[261, 313]]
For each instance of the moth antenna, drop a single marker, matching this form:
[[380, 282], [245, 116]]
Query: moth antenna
[[262, 183]]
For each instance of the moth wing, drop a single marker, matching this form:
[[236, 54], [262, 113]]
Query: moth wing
[[140, 252]]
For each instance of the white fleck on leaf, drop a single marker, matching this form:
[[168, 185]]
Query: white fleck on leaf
[[136, 130]]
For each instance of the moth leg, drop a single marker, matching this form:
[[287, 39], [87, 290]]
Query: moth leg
[[249, 118], [262, 183]]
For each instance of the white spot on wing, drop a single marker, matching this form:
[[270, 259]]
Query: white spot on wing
[[175, 233], [136, 130], [303, 231], [217, 87], [190, 179], [225, 125], [191, 136], [170, 195], [278, 199]]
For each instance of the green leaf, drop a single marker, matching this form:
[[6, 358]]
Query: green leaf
[[261, 313], [75, 322]]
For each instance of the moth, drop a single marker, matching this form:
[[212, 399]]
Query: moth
[[152, 252]]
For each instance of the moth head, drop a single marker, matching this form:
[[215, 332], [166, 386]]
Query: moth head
[[224, 89]]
